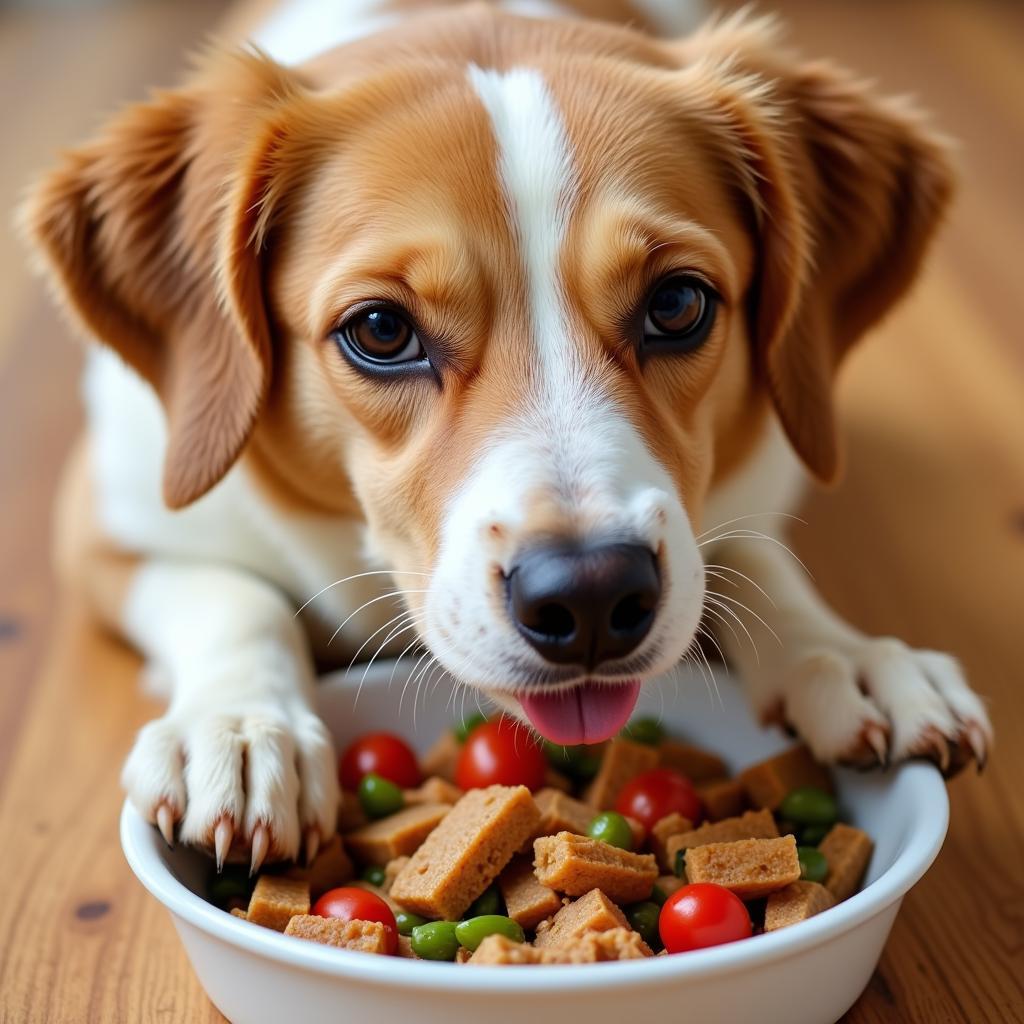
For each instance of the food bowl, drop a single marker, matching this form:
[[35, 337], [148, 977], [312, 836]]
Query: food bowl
[[810, 973]]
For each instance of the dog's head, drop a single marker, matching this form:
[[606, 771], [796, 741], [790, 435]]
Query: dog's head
[[519, 293]]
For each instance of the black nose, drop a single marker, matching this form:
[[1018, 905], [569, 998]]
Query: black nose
[[584, 605]]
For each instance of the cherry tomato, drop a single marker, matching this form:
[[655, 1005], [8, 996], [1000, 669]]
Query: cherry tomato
[[385, 754], [651, 796], [500, 752], [702, 914], [352, 904]]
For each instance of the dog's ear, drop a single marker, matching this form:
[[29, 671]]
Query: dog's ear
[[149, 235], [847, 190]]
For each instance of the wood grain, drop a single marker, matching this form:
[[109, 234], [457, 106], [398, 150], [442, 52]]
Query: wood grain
[[923, 539]]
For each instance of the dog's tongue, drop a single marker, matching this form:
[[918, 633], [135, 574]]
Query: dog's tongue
[[585, 714]]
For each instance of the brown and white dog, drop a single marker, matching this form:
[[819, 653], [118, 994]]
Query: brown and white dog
[[511, 312]]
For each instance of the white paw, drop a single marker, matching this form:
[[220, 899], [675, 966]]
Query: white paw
[[880, 700], [258, 781]]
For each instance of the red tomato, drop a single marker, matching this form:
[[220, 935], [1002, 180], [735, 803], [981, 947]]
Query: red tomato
[[500, 752], [654, 794], [384, 753], [352, 904], [702, 914]]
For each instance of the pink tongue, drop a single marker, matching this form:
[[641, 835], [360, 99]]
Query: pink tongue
[[585, 714]]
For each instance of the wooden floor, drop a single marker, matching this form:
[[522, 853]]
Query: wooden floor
[[924, 538]]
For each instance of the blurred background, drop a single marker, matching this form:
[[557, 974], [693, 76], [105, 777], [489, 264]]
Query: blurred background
[[924, 537]]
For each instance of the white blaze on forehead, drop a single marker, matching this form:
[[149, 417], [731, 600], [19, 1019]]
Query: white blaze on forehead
[[539, 181]]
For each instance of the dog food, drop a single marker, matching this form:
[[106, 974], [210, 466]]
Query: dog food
[[502, 875]]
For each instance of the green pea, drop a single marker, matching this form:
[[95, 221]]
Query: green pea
[[406, 922], [473, 931], [435, 940], [811, 835], [808, 805], [643, 918], [648, 731], [813, 865], [374, 874], [658, 895], [580, 763], [679, 868], [488, 903], [379, 796], [613, 829], [467, 725]]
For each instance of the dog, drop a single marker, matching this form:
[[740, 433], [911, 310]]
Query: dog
[[523, 319]]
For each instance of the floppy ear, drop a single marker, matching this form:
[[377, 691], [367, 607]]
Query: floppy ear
[[848, 188], [145, 232]]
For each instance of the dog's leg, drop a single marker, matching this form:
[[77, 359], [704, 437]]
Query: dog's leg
[[240, 758], [849, 696]]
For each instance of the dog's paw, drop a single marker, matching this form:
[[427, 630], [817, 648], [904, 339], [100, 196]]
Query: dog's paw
[[259, 782], [879, 701]]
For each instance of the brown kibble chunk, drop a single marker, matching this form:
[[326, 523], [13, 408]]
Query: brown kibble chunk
[[722, 799], [768, 782], [576, 864], [592, 947], [593, 912], [673, 824], [749, 867], [466, 852], [847, 850], [434, 790], [331, 868], [239, 912], [405, 948], [276, 900], [561, 813], [441, 758], [623, 761], [697, 764], [527, 902], [668, 884], [397, 835], [361, 936], [751, 825], [797, 902], [392, 870]]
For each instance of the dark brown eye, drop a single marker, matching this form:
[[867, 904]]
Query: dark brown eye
[[680, 313], [380, 334]]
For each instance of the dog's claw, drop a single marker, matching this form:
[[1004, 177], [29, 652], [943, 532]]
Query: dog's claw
[[260, 845], [875, 737], [935, 746], [165, 822], [976, 741], [222, 836], [312, 845]]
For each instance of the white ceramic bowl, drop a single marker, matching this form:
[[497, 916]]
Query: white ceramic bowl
[[808, 974]]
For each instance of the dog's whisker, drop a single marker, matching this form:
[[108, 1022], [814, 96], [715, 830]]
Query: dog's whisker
[[746, 608], [749, 515], [711, 637], [408, 679], [757, 535], [395, 618], [366, 604], [732, 614], [413, 622], [398, 661], [728, 625], [743, 575], [358, 576]]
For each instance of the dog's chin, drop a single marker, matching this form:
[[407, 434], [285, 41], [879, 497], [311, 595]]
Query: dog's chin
[[590, 711]]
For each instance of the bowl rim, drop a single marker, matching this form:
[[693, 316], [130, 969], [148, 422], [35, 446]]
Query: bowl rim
[[928, 801]]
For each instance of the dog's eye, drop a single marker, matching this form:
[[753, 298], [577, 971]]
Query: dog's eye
[[379, 334], [680, 314]]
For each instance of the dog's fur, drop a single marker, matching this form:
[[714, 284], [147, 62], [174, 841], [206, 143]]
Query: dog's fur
[[517, 184]]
